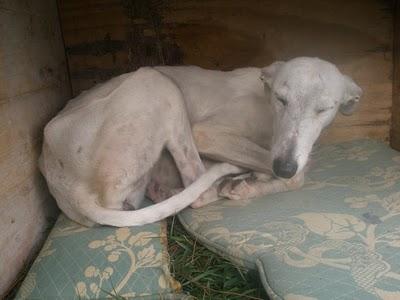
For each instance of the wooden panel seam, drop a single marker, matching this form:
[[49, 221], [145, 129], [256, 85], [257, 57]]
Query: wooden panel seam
[[395, 127]]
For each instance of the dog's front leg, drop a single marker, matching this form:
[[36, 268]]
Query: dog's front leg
[[219, 144], [257, 185]]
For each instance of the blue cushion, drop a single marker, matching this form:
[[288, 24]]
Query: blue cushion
[[336, 238], [77, 262]]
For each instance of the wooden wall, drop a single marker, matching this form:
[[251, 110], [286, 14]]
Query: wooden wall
[[108, 37], [395, 129], [33, 86]]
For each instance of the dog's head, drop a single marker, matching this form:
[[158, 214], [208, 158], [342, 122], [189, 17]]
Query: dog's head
[[305, 94]]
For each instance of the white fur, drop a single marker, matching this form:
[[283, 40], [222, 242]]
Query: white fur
[[99, 151]]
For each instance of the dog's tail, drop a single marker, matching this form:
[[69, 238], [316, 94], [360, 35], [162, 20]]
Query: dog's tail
[[159, 211]]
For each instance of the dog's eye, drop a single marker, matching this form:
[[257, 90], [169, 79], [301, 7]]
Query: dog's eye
[[282, 100], [321, 110]]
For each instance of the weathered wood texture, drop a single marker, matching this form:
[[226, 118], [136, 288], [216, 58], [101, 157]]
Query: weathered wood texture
[[33, 86], [109, 37], [395, 129]]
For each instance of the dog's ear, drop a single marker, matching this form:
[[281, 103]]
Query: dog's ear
[[351, 97], [268, 73]]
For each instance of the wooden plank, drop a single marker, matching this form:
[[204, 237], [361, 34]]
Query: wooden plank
[[33, 87], [395, 128], [21, 52], [106, 38]]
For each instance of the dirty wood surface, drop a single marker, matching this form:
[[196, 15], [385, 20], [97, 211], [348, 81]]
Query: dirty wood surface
[[108, 37], [33, 87]]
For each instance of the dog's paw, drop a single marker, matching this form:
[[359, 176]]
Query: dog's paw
[[211, 195], [236, 189]]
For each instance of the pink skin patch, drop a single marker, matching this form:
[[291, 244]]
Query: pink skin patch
[[158, 193]]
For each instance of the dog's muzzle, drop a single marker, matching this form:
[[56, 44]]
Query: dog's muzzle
[[284, 168]]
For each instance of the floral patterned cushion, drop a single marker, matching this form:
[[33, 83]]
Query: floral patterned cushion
[[336, 238], [77, 262]]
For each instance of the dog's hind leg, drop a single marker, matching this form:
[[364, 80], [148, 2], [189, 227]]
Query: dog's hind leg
[[183, 149]]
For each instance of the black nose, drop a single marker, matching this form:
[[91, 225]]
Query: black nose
[[284, 168]]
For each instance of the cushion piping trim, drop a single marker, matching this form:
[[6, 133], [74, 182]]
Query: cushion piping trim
[[264, 280], [219, 250], [214, 246]]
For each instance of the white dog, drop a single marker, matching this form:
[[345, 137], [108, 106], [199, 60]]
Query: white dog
[[100, 150]]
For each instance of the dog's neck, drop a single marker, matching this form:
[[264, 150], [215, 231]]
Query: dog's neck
[[203, 89]]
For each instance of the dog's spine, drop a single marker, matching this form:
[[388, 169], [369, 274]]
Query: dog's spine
[[159, 211]]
